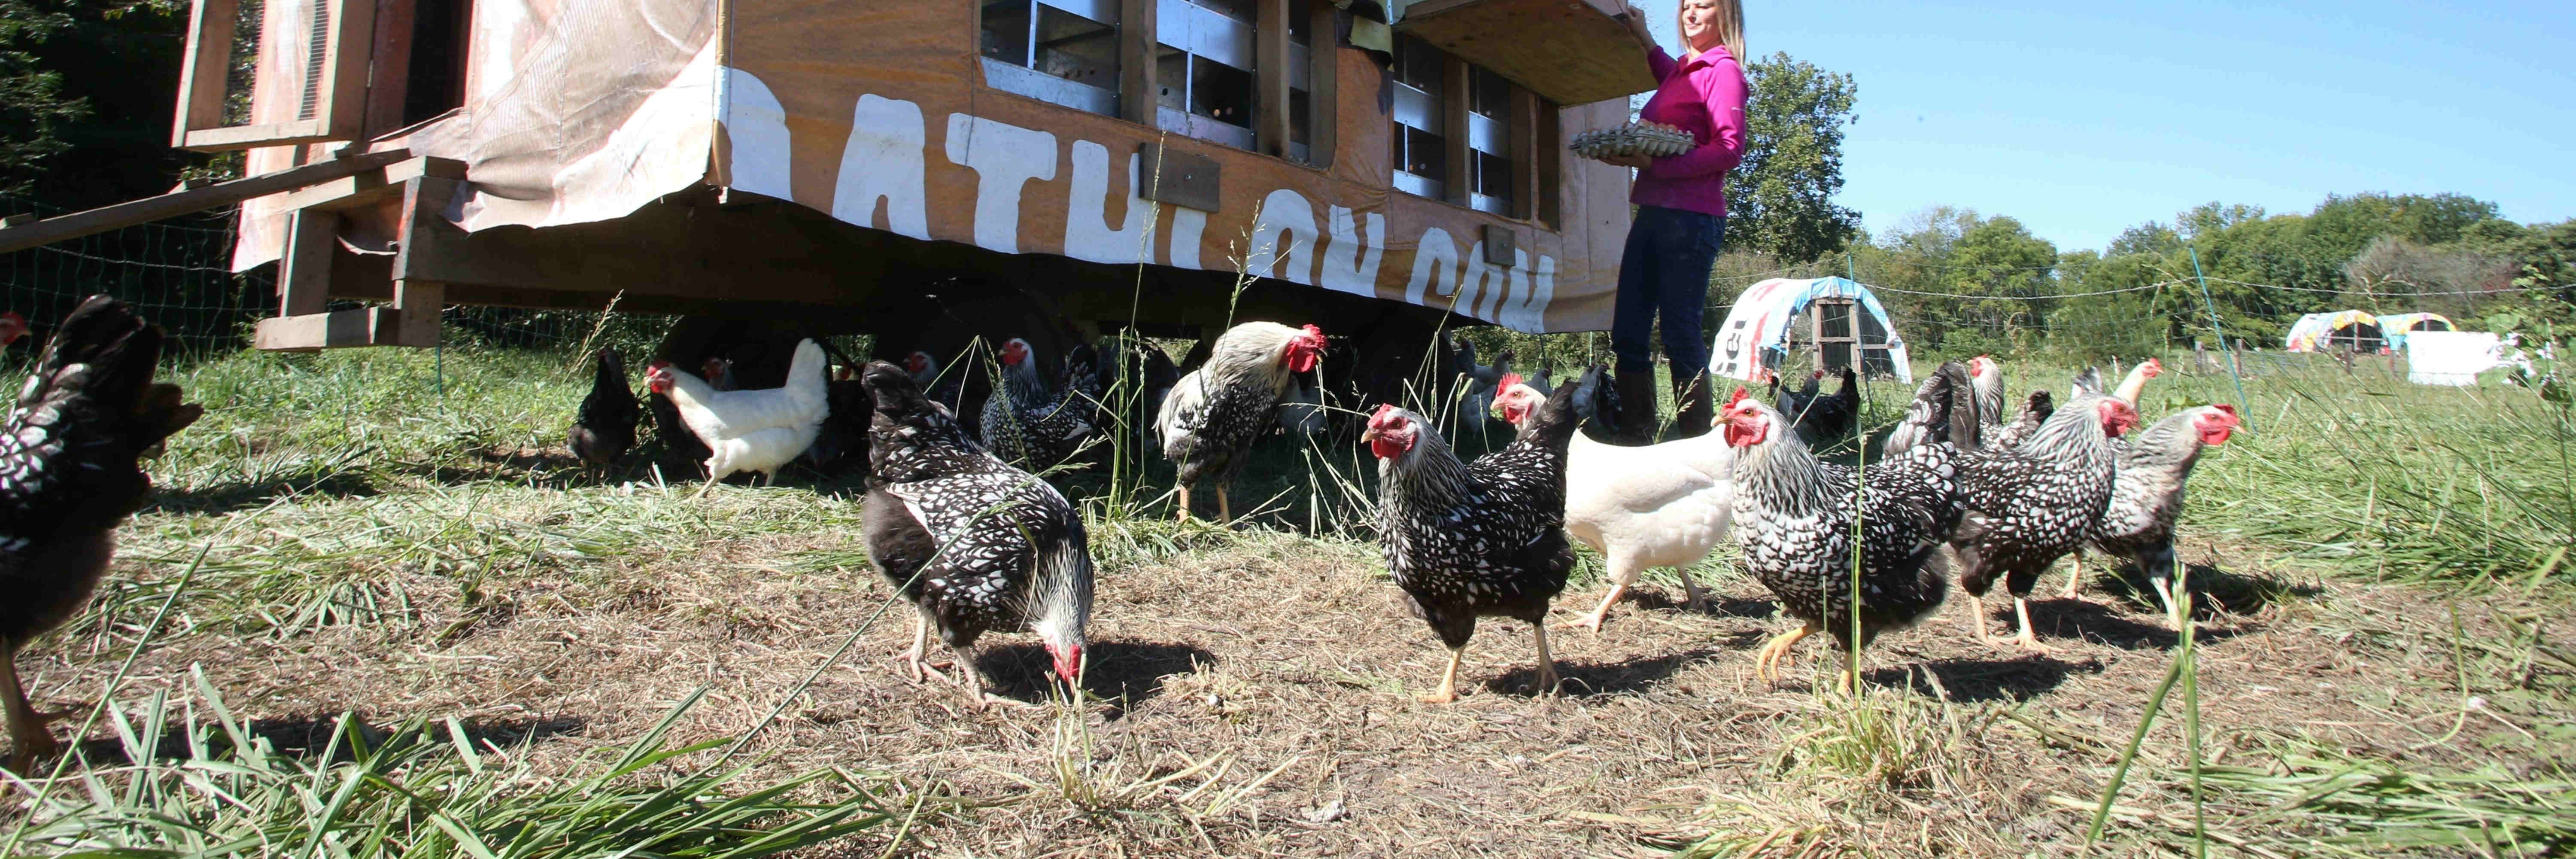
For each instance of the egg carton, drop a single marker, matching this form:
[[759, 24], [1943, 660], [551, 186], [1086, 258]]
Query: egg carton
[[1651, 139]]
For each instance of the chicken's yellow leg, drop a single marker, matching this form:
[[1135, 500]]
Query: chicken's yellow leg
[[1448, 680], [1224, 509], [2028, 639], [1977, 620], [1184, 490], [28, 739], [1546, 664], [1766, 664], [2075, 578]]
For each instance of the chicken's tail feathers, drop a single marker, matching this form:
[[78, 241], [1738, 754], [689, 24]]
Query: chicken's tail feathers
[[104, 353], [1595, 398]]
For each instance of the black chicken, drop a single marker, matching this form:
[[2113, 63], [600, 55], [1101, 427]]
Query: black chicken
[[974, 544], [843, 441], [1793, 515], [604, 427], [68, 476], [1826, 419], [1472, 540]]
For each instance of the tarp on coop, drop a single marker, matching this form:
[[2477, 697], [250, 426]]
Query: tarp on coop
[[1756, 332], [2396, 326], [2451, 357], [2311, 332]]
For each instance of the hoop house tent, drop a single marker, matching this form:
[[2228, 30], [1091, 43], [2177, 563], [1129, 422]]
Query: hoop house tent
[[2349, 329], [1848, 317], [2396, 326]]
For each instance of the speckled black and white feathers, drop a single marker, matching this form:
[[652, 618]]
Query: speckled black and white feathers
[[2147, 496], [976, 544], [2035, 410], [68, 473], [2029, 505], [1482, 539], [1029, 427], [1944, 409], [1794, 512], [604, 427], [1216, 413]]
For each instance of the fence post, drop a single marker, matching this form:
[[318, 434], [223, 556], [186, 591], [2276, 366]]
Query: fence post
[[2241, 404]]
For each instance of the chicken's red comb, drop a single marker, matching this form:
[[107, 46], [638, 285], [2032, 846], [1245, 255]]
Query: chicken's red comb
[[2230, 410], [1384, 411], [1312, 331], [1508, 381], [657, 365], [1739, 396], [2154, 368]]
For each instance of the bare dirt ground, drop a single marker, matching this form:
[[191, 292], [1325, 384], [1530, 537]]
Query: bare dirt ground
[[1274, 675]]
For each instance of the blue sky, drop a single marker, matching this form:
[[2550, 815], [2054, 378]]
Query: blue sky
[[2084, 119]]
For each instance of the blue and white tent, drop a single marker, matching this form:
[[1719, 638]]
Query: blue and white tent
[[1756, 332]]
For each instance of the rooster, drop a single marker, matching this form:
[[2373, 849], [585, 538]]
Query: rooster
[[974, 544], [1213, 415], [2028, 505], [1029, 428], [68, 476], [1988, 374], [2146, 498], [1471, 540], [1664, 505], [1794, 512], [604, 427], [755, 430]]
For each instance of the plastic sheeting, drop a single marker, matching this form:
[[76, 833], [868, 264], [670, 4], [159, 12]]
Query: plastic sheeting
[[2314, 328], [1758, 326], [2396, 326], [2451, 357]]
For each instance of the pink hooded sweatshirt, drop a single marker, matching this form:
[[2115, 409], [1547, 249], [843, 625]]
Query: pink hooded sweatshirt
[[1703, 96]]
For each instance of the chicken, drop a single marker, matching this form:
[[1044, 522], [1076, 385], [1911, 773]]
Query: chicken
[[1543, 381], [1793, 517], [12, 327], [1943, 411], [1664, 505], [1826, 419], [2028, 505], [2035, 410], [604, 427], [843, 441], [1301, 411], [754, 430], [719, 373], [2136, 382], [1471, 540], [2146, 498], [68, 477], [1794, 403], [1214, 414], [1988, 374], [1030, 428], [975, 545], [941, 389]]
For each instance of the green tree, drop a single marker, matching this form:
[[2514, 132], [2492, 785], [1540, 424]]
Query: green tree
[[32, 103], [1779, 200]]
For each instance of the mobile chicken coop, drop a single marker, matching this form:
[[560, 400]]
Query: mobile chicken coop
[[929, 171]]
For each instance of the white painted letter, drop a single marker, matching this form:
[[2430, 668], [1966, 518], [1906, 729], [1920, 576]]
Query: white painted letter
[[1526, 312], [883, 161], [1350, 260], [1284, 211], [1004, 157], [1435, 258], [756, 134], [1187, 225], [1087, 235]]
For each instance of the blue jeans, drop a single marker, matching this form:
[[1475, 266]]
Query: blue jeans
[[1664, 269]]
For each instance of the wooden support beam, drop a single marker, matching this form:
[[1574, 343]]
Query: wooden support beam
[[304, 272], [149, 209], [1453, 122], [373, 186], [1270, 77], [1549, 153], [1524, 152], [1323, 67], [418, 303], [205, 68], [367, 326], [1139, 90]]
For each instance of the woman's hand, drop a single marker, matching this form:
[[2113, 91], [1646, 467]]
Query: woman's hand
[[1640, 162], [1636, 21]]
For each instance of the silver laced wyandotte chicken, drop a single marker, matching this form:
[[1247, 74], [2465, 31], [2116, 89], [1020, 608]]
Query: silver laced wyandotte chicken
[[1472, 540], [68, 477], [1031, 427], [604, 427], [1216, 413], [2026, 506], [2146, 498], [977, 546], [1793, 517]]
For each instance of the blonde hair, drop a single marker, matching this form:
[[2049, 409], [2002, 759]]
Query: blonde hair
[[1730, 26]]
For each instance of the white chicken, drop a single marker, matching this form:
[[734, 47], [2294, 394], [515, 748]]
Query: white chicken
[[1664, 505], [755, 430]]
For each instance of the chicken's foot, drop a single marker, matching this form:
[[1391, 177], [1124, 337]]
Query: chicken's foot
[[1766, 664], [1593, 621], [2027, 639], [1977, 621], [1547, 679], [1448, 680], [29, 741], [1695, 600], [2075, 576]]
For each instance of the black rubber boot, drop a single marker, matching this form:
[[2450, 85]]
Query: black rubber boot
[[1636, 407], [1691, 411]]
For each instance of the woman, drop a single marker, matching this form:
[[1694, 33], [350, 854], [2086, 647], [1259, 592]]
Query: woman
[[1681, 215]]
